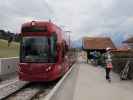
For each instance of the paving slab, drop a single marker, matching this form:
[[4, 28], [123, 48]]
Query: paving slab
[[92, 85]]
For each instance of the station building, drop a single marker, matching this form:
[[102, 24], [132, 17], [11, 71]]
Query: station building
[[129, 42], [99, 44]]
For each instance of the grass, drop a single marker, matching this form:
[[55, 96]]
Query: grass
[[11, 51]]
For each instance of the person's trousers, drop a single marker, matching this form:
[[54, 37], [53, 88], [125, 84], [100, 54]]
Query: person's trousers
[[108, 73]]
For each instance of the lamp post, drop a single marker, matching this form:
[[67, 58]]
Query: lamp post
[[63, 27], [69, 37]]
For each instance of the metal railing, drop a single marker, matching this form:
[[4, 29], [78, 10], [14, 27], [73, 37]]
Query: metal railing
[[124, 67]]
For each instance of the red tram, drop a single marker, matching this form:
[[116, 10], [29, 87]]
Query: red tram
[[43, 52]]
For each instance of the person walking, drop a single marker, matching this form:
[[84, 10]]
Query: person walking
[[95, 57], [108, 64], [10, 40]]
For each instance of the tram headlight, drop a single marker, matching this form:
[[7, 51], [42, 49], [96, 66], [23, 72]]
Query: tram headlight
[[33, 23], [48, 68]]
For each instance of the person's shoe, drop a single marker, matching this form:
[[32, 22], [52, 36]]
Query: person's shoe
[[109, 80]]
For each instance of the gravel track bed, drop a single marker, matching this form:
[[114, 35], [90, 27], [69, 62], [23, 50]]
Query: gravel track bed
[[24, 94], [11, 87], [32, 91], [42, 94]]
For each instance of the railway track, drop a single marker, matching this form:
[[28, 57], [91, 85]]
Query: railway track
[[19, 90], [11, 87]]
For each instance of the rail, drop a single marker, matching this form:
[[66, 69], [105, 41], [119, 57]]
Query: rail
[[9, 88]]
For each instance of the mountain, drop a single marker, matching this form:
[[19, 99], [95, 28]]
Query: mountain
[[117, 38], [6, 35], [77, 43]]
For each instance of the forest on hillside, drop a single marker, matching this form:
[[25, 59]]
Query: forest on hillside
[[7, 35]]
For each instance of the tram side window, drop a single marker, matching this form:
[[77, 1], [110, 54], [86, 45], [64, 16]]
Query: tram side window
[[63, 49], [53, 50]]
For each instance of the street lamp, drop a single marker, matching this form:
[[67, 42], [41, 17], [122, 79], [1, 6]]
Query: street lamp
[[63, 27], [69, 37]]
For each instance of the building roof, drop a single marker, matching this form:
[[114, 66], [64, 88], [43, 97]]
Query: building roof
[[97, 43], [129, 40], [121, 50]]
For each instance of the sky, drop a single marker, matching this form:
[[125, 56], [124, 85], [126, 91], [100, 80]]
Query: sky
[[112, 18]]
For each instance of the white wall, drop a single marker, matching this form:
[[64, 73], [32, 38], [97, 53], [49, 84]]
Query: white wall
[[8, 65]]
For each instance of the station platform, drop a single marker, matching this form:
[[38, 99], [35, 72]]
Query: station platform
[[92, 85], [88, 82]]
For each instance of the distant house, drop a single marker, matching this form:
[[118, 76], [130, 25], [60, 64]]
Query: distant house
[[129, 42], [97, 43]]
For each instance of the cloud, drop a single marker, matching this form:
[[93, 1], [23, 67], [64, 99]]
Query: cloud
[[82, 17], [93, 17], [13, 13]]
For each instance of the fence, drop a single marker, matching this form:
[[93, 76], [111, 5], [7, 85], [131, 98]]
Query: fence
[[124, 67]]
